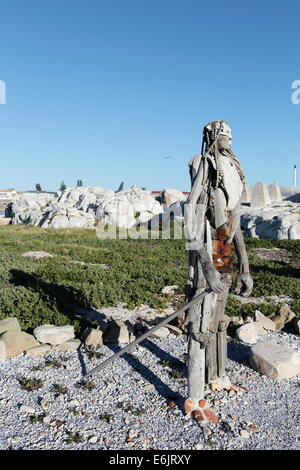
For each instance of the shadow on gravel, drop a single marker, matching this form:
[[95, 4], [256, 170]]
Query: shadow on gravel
[[163, 389], [82, 363], [238, 352]]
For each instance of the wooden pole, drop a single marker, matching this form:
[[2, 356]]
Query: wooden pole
[[145, 335]]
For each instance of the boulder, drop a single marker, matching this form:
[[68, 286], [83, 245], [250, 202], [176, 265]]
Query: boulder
[[169, 196], [9, 324], [249, 332], [284, 316], [92, 337], [70, 345], [54, 334], [276, 361], [266, 322], [116, 333], [37, 351], [13, 343]]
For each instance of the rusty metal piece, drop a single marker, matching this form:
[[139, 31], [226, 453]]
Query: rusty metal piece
[[222, 256]]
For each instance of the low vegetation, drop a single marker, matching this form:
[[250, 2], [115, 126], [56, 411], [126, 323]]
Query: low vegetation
[[131, 271]]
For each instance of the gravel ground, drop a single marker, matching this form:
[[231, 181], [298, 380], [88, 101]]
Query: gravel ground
[[136, 402]]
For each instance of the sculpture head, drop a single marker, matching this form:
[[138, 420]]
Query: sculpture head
[[218, 131]]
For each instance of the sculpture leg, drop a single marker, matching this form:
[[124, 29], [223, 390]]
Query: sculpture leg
[[195, 403]]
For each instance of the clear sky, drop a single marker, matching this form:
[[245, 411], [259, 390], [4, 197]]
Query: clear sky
[[119, 90]]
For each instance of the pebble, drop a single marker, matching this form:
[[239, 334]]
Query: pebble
[[244, 434], [27, 409], [199, 446], [93, 439]]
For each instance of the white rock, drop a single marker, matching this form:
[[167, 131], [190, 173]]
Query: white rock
[[9, 324], [266, 322], [274, 360], [169, 290], [247, 333], [93, 439], [70, 345], [37, 351], [54, 334], [162, 332], [37, 254], [27, 409], [244, 434]]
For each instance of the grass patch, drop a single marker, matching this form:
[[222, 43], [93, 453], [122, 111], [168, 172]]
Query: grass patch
[[86, 385], [58, 388], [30, 384], [47, 290]]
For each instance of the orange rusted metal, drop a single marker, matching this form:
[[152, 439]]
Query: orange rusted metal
[[222, 256]]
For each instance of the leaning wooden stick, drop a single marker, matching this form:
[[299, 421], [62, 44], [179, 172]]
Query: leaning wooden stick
[[196, 299]]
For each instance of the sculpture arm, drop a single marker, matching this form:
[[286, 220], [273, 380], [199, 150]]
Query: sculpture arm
[[244, 283]]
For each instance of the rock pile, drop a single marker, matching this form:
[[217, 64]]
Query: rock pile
[[278, 221], [13, 341], [82, 207]]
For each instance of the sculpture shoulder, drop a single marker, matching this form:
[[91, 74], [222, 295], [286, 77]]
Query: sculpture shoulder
[[195, 162]]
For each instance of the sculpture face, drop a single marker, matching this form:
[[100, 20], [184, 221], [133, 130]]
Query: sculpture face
[[223, 142]]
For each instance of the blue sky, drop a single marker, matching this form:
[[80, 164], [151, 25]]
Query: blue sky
[[105, 90]]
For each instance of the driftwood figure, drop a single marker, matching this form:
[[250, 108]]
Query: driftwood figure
[[212, 221]]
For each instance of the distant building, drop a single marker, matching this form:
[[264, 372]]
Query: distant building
[[8, 194]]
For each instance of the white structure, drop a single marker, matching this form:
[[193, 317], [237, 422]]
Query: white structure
[[260, 195], [8, 194]]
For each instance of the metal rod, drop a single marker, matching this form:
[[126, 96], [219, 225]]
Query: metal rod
[[145, 335]]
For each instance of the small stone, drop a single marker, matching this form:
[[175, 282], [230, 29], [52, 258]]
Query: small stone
[[231, 393], [174, 330], [92, 337], [207, 432], [254, 428], [9, 324], [149, 387], [93, 439], [46, 420], [244, 434], [126, 420], [27, 409], [54, 334], [70, 345], [276, 361], [44, 404], [160, 333], [74, 402], [37, 351], [199, 446]]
